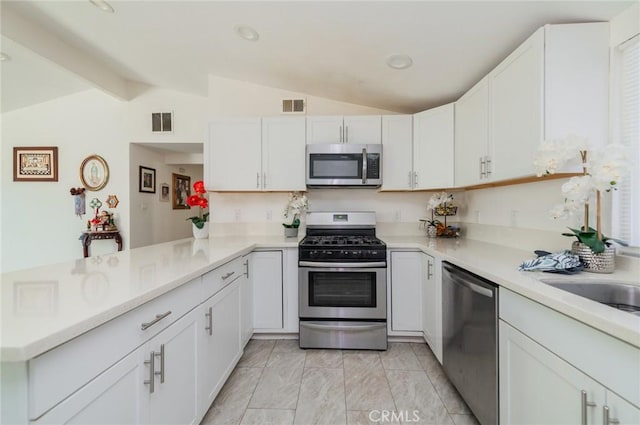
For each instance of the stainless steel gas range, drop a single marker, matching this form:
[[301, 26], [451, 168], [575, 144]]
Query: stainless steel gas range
[[342, 282]]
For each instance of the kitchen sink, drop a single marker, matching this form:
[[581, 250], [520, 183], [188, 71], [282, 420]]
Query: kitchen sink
[[616, 294]]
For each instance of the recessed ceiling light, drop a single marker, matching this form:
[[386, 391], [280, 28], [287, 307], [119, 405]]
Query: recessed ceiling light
[[247, 33], [102, 5], [399, 61], [4, 57]]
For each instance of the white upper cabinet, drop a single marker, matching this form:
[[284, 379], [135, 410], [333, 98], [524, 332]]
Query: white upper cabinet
[[233, 154], [433, 148], [255, 154], [283, 153], [472, 134], [365, 129], [517, 90], [397, 158], [552, 85]]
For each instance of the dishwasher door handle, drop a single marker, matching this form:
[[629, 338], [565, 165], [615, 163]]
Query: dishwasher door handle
[[475, 288]]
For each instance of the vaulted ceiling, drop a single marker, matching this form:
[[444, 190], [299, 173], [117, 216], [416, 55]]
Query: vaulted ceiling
[[332, 49]]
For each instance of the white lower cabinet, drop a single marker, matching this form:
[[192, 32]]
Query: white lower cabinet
[[432, 304], [219, 346], [117, 396], [406, 291], [246, 303], [265, 272], [538, 387], [174, 399], [549, 378], [155, 384]]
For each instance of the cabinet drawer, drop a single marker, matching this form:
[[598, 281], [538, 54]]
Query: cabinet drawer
[[57, 373], [215, 280]]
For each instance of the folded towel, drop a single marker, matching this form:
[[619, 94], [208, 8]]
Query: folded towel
[[559, 262]]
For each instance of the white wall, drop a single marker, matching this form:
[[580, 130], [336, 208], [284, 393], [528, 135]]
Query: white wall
[[38, 224], [38, 221], [154, 221]]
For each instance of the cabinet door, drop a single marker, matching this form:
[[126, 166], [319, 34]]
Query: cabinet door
[[324, 129], [406, 293], [430, 302], [621, 410], [233, 155], [266, 274], [219, 341], [397, 142], [116, 396], [433, 148], [538, 387], [246, 304], [283, 153], [471, 133], [516, 92], [175, 401], [365, 129]]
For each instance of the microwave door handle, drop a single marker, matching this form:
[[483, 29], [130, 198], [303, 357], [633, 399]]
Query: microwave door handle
[[364, 165]]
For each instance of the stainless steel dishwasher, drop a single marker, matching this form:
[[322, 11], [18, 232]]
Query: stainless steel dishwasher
[[470, 339]]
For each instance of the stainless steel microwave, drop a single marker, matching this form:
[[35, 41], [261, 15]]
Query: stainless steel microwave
[[344, 165]]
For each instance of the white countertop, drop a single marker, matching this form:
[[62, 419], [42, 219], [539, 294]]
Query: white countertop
[[47, 306]]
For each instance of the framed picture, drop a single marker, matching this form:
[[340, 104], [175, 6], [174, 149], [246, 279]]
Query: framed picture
[[94, 173], [147, 180], [164, 192], [181, 190], [35, 164]]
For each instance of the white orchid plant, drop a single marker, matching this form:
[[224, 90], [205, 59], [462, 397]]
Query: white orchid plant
[[441, 204], [602, 170], [296, 205]]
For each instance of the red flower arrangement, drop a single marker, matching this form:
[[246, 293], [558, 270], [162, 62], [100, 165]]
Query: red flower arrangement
[[200, 201]]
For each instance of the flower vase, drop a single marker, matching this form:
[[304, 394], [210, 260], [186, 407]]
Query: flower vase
[[603, 262], [432, 231], [290, 232], [201, 233]]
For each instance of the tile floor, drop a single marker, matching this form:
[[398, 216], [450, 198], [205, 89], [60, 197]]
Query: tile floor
[[277, 383]]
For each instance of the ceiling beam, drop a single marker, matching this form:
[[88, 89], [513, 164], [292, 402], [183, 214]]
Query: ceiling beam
[[45, 44]]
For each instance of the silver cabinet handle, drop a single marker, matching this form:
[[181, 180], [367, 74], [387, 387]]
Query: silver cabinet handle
[[584, 404], [483, 174], [158, 318], [209, 314], [228, 275], [415, 179], [152, 369], [341, 135], [257, 180], [246, 265], [346, 134], [264, 180], [429, 269], [606, 420], [487, 162], [161, 355]]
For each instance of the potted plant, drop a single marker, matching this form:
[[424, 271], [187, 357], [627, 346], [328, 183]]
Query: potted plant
[[603, 171], [200, 225], [296, 205]]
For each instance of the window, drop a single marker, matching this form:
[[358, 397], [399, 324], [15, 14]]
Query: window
[[626, 200]]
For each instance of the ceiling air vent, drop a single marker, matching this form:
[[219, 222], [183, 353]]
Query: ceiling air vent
[[293, 106]]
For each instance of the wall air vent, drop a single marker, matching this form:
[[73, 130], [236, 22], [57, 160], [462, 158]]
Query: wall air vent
[[162, 122], [293, 106]]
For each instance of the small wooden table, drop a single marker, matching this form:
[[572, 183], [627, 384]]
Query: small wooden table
[[89, 235]]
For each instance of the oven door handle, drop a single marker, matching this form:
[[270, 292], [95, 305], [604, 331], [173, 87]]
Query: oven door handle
[[343, 265], [366, 327]]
